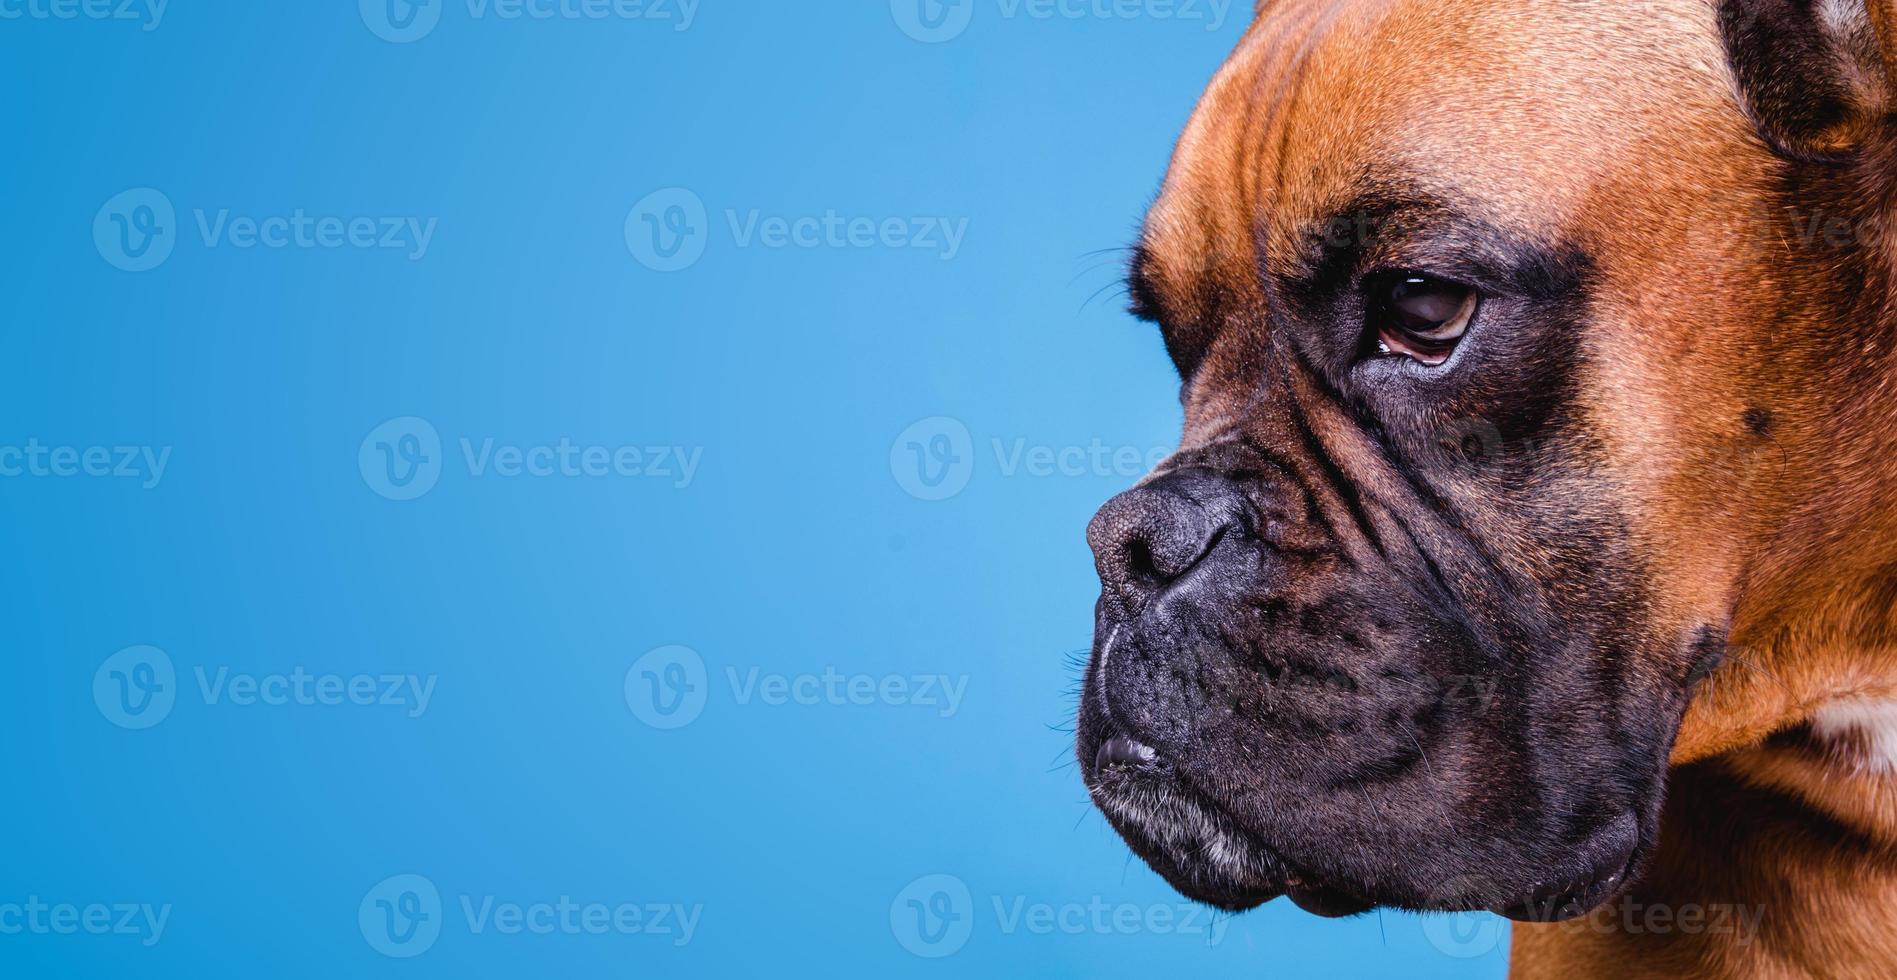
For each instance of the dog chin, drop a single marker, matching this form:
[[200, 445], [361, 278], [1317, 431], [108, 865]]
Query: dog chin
[[1211, 857], [1164, 820], [1201, 850]]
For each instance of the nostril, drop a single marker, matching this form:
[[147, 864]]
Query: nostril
[[1151, 536], [1204, 549], [1164, 554], [1139, 561]]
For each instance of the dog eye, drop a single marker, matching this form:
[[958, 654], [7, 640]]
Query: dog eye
[[1422, 317]]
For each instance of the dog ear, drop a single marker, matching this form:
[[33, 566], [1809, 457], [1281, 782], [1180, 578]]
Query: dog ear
[[1817, 77]]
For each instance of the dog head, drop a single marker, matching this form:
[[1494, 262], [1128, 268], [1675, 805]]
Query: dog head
[[1513, 336]]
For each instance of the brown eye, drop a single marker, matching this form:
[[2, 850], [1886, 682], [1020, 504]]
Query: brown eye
[[1423, 317]]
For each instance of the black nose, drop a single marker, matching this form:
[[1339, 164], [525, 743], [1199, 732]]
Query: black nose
[[1150, 536]]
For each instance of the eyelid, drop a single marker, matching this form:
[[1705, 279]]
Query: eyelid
[[1458, 321], [1394, 347], [1389, 328]]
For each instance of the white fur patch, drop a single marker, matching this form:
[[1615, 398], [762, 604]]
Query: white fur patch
[[1843, 17], [1854, 40], [1867, 729]]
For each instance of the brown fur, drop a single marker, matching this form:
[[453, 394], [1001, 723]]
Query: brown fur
[[1745, 410]]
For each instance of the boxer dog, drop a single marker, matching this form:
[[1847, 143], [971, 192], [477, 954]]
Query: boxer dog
[[1532, 542]]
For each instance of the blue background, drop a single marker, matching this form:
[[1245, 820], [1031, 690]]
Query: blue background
[[803, 542]]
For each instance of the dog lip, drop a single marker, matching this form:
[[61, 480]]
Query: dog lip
[[1328, 903], [1121, 750], [1616, 852], [1609, 861], [1116, 764], [1174, 826], [1123, 762]]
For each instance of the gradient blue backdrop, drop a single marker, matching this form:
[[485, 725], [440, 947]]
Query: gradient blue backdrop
[[806, 540]]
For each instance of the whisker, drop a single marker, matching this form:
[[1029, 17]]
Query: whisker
[[1121, 286], [1421, 751], [1091, 270]]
